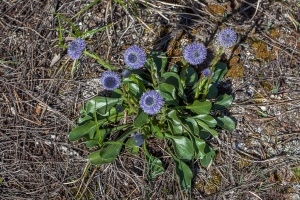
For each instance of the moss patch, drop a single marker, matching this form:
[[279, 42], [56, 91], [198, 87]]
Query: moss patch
[[215, 9], [262, 52], [213, 184], [267, 86], [236, 69]]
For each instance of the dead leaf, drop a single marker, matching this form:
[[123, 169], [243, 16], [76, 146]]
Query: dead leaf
[[55, 59]]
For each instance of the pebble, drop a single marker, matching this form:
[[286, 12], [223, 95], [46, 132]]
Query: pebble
[[263, 108]]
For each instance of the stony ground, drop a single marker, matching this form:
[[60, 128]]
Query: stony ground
[[40, 100]]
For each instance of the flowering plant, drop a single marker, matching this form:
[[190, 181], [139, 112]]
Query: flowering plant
[[151, 99]]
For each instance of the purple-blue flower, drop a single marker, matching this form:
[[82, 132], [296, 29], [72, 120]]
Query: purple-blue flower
[[206, 72], [195, 53], [135, 57], [138, 139], [227, 38], [110, 80], [151, 102], [76, 48]]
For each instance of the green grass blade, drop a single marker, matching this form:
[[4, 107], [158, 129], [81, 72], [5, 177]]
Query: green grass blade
[[86, 8], [91, 32], [77, 33], [100, 60], [60, 39]]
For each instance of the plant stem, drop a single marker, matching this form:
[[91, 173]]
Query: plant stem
[[185, 65], [215, 61], [127, 99], [152, 73]]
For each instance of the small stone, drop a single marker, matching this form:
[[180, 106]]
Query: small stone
[[263, 108]]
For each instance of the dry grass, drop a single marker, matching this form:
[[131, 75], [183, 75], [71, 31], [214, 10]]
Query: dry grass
[[40, 103]]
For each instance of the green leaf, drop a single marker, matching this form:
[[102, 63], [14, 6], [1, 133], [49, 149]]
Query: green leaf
[[203, 134], [191, 76], [192, 125], [226, 123], [91, 143], [159, 62], [209, 155], [141, 119], [199, 146], [174, 123], [208, 119], [139, 81], [174, 79], [222, 102], [84, 118], [109, 153], [117, 93], [157, 132], [101, 104], [183, 147], [131, 146], [220, 71], [200, 107], [212, 91], [206, 128], [184, 173], [82, 131], [135, 90], [174, 68], [169, 93], [155, 167]]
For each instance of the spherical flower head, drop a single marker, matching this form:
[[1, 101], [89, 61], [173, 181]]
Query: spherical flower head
[[135, 57], [138, 139], [76, 48], [110, 80], [206, 72], [151, 102], [195, 53], [227, 38]]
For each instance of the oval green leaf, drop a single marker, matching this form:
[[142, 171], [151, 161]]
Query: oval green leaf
[[183, 147], [226, 123], [222, 102], [82, 131], [200, 107]]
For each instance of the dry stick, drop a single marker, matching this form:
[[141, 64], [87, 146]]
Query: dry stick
[[255, 195], [88, 182], [257, 6], [105, 20]]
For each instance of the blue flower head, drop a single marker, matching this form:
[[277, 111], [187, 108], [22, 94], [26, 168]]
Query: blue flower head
[[151, 102], [206, 72], [135, 57], [76, 48], [195, 53], [110, 80], [227, 38], [138, 139]]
